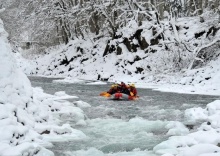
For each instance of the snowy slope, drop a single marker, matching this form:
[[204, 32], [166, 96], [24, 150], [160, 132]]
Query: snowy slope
[[27, 121], [126, 59]]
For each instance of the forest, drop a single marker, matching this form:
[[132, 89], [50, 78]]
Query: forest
[[52, 22]]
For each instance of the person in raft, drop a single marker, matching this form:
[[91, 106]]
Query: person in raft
[[113, 89], [124, 89], [133, 90]]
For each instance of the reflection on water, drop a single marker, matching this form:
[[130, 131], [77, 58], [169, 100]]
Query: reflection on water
[[115, 126]]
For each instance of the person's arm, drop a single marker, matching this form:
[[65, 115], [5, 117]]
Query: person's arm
[[109, 91], [135, 92]]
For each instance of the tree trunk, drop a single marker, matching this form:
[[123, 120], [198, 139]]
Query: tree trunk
[[160, 8], [205, 4], [199, 2]]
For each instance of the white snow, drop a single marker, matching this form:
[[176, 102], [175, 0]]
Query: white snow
[[204, 141], [28, 116]]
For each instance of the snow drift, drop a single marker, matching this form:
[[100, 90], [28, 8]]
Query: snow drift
[[27, 120]]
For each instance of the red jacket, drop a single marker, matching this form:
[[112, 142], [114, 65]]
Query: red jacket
[[134, 91], [112, 91]]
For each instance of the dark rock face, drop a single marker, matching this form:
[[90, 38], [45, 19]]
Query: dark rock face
[[119, 51], [137, 41], [207, 54], [197, 35], [129, 43], [139, 70]]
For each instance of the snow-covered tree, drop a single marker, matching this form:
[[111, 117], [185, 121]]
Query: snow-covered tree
[[44, 23]]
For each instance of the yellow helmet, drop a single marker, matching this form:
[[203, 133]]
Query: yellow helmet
[[113, 86], [132, 85]]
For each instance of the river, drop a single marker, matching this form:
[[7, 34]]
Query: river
[[115, 127]]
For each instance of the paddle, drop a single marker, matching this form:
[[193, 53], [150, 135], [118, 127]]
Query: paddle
[[105, 94]]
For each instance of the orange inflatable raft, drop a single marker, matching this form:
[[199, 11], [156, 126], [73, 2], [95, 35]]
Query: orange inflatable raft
[[118, 96]]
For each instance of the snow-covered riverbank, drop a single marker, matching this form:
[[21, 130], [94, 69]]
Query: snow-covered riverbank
[[29, 118]]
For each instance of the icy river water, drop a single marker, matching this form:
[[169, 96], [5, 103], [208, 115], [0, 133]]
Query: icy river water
[[121, 128]]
